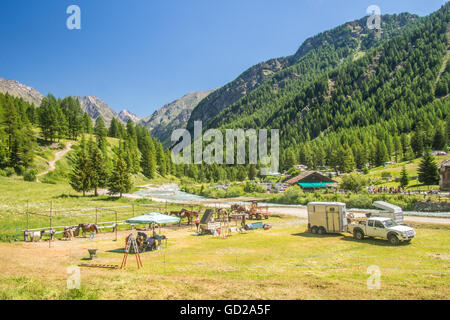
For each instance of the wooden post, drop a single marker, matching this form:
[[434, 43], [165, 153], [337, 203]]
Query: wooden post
[[133, 210], [116, 224], [26, 233], [96, 216], [51, 230]]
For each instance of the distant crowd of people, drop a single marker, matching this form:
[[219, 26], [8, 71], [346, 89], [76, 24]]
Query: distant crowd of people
[[398, 190], [392, 190]]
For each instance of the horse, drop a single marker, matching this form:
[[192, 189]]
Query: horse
[[35, 235], [185, 214], [68, 233], [85, 228], [221, 213], [238, 208]]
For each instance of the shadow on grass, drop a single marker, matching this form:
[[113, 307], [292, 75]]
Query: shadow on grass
[[122, 251], [375, 242], [88, 197], [311, 235], [371, 241]]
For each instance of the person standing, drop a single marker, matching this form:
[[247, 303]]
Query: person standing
[[197, 222]]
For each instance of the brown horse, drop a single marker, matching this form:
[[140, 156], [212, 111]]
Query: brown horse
[[85, 228], [68, 233], [190, 215], [238, 208]]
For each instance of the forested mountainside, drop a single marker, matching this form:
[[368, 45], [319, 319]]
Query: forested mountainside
[[316, 55], [24, 128], [368, 105]]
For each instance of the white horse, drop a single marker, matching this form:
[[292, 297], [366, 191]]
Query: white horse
[[35, 236]]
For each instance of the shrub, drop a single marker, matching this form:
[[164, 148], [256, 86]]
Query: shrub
[[386, 175], [30, 176], [361, 201], [233, 192], [9, 172], [353, 182]]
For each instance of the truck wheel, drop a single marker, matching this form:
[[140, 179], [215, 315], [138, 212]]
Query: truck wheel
[[314, 230], [322, 231], [393, 240], [358, 235]]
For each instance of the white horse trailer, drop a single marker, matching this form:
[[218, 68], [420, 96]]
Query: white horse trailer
[[327, 217]]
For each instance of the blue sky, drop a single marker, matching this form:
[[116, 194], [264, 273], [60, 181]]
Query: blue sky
[[141, 54]]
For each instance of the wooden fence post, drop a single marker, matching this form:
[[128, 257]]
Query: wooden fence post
[[26, 233], [116, 225], [51, 231]]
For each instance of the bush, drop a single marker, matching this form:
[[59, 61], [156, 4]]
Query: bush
[[20, 170], [361, 201], [2, 173], [9, 172], [233, 192], [353, 182], [30, 176], [386, 175]]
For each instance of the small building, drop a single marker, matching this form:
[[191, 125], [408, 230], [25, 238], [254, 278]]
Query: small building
[[439, 153], [312, 180], [444, 171], [301, 167]]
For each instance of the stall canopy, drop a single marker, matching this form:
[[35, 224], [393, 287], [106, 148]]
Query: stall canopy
[[153, 218]]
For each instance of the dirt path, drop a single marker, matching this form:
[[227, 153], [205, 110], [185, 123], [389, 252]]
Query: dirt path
[[58, 156]]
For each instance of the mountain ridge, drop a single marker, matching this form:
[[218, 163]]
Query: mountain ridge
[[330, 42]]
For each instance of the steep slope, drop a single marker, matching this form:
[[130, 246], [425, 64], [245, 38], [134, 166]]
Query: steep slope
[[359, 107], [126, 115], [317, 54], [173, 115], [20, 90], [96, 107]]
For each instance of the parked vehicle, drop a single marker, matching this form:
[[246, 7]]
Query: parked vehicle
[[332, 217], [327, 217], [379, 227]]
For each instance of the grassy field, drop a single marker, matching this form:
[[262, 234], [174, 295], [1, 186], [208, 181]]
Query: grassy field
[[282, 263]]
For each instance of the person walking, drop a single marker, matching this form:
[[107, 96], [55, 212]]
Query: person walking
[[197, 222]]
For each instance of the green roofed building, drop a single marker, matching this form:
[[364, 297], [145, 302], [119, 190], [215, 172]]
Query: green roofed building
[[312, 180]]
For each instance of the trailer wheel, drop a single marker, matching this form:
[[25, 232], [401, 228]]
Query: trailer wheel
[[358, 235], [393, 240], [314, 230], [322, 231]]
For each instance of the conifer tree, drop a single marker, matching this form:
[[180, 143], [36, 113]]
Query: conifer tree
[[404, 179], [81, 176], [120, 179], [428, 170], [99, 176], [100, 134]]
